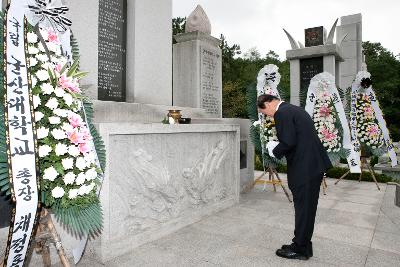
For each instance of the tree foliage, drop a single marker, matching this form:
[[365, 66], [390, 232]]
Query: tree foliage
[[178, 26], [239, 72]]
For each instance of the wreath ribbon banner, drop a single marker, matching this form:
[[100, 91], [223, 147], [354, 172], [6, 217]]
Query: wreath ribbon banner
[[21, 145], [379, 117], [353, 158], [267, 76]]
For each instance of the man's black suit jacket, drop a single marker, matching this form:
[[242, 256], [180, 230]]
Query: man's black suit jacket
[[306, 157]]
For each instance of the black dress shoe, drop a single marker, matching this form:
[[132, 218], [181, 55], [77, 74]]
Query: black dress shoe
[[290, 254], [309, 249]]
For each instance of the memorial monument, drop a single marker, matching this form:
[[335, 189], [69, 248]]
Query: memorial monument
[[342, 59], [197, 64]]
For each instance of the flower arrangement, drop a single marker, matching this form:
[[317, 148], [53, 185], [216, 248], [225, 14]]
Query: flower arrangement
[[367, 125], [60, 165], [368, 132], [67, 160], [326, 123], [267, 130], [263, 128], [325, 107]]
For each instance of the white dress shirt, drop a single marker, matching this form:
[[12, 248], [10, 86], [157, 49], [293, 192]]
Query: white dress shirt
[[278, 105]]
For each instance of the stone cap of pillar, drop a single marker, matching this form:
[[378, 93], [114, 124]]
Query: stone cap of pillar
[[316, 51], [196, 35]]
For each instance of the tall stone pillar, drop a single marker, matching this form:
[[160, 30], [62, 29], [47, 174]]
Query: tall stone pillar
[[351, 27], [197, 66]]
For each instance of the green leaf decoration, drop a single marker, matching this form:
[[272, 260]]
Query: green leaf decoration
[[98, 141], [73, 68], [345, 95], [74, 48], [4, 180], [80, 75], [80, 221], [335, 157], [303, 98]]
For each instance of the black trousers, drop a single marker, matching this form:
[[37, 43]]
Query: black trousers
[[305, 199]]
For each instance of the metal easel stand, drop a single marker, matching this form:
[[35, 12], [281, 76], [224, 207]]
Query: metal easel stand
[[364, 162], [271, 180]]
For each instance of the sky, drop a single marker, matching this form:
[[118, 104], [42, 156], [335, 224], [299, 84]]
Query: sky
[[259, 23]]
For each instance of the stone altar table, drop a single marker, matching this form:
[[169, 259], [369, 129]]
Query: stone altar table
[[160, 178]]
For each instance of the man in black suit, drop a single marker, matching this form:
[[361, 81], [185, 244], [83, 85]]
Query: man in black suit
[[307, 161]]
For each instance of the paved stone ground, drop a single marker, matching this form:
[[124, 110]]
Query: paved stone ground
[[356, 225]]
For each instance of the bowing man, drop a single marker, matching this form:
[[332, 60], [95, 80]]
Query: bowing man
[[307, 161]]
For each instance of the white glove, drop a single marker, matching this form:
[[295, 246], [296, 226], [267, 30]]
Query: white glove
[[270, 146]]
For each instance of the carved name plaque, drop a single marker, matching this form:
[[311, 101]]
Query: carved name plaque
[[210, 81], [112, 50], [309, 67]]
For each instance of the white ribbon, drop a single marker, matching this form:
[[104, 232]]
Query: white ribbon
[[353, 122], [326, 80], [268, 79], [20, 133], [355, 90], [49, 14]]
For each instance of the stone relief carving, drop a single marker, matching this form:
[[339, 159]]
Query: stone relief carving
[[154, 196], [200, 181]]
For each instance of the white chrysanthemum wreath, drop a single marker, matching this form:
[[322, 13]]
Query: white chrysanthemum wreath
[[67, 160]]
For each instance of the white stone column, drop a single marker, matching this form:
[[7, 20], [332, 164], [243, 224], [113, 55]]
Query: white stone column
[[149, 52], [351, 47], [85, 29], [295, 81], [330, 64]]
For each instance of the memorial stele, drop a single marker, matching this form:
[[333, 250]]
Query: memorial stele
[[342, 59], [197, 65]]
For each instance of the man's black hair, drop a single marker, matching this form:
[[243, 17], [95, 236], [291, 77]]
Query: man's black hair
[[265, 98]]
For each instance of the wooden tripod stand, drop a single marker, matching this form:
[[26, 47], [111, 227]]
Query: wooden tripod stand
[[46, 234], [271, 180], [364, 162], [324, 185]]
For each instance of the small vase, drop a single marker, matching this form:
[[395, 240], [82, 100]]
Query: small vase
[[175, 114]]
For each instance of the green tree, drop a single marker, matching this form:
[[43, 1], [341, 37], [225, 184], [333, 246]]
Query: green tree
[[385, 71], [178, 26], [229, 66], [252, 54], [233, 101]]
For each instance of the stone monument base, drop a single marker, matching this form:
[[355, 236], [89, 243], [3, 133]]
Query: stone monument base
[[159, 178]]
